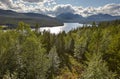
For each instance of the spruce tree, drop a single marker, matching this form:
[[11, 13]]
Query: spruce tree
[[96, 68], [54, 62]]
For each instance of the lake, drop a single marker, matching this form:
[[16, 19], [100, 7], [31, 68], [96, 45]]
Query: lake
[[66, 27]]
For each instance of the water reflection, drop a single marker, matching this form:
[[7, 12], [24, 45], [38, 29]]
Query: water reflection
[[67, 27]]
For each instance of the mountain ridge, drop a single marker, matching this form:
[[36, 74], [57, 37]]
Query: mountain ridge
[[97, 17], [9, 17]]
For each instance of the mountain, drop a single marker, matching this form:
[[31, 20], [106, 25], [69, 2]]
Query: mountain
[[11, 18], [69, 17], [7, 13], [102, 17]]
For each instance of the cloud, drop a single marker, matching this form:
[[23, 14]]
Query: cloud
[[7, 3], [2, 6], [58, 9], [113, 9], [33, 0], [50, 7]]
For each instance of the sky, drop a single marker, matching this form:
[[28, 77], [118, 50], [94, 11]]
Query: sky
[[56, 7], [87, 3]]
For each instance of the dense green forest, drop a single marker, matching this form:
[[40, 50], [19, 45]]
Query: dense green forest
[[89, 52]]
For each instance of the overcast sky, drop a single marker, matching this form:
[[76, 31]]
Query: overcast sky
[[56, 7]]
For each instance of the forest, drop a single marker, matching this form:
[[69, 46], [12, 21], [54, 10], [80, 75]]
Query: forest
[[88, 52]]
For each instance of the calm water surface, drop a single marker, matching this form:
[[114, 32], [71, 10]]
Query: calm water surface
[[66, 27]]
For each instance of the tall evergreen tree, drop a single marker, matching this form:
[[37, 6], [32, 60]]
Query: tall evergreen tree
[[54, 62], [96, 68]]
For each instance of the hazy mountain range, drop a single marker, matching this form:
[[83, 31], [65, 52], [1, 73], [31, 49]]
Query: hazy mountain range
[[11, 18], [69, 17]]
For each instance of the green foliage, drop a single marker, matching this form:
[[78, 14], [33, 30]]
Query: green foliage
[[69, 44], [33, 59], [113, 53], [23, 28], [82, 42], [1, 27], [93, 24], [97, 68], [26, 54], [37, 28], [7, 55], [54, 62], [45, 39]]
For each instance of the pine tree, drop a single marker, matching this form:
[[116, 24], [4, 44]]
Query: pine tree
[[54, 62], [35, 63], [96, 68]]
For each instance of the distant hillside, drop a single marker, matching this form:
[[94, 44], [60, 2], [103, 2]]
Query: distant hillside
[[69, 17], [102, 17], [12, 18]]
